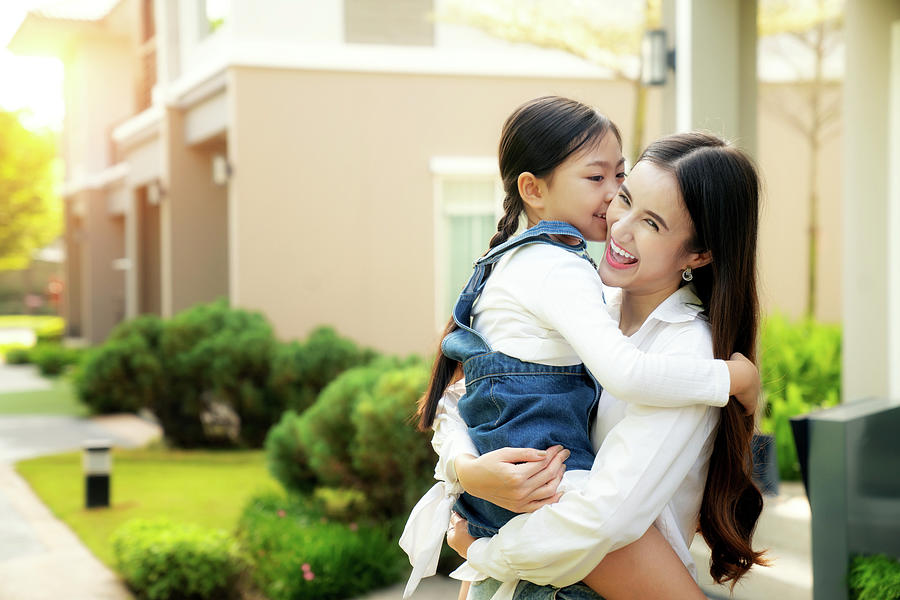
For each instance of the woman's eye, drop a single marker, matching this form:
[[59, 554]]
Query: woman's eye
[[652, 224], [625, 199]]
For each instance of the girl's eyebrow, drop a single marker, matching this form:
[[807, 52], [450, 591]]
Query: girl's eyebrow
[[605, 163]]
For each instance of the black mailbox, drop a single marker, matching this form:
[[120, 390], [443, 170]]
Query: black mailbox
[[850, 458]]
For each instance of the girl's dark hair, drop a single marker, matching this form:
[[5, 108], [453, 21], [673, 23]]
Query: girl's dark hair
[[536, 138], [720, 189]]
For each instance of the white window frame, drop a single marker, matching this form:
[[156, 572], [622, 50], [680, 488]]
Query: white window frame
[[457, 168]]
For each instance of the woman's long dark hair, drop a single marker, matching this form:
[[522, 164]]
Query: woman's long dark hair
[[720, 189], [536, 138]]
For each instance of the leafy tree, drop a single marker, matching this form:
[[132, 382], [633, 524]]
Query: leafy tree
[[30, 212], [816, 26], [607, 34]]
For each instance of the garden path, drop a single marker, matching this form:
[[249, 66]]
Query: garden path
[[40, 558]]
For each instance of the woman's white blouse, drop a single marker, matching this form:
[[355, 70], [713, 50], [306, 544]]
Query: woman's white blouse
[[650, 467]]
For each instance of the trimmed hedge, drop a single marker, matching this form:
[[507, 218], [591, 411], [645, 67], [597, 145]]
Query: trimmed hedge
[[212, 375], [800, 367], [301, 370], [875, 578], [126, 373], [18, 356], [359, 434], [53, 359], [162, 560], [298, 554]]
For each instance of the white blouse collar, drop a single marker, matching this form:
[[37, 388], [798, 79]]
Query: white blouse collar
[[682, 306]]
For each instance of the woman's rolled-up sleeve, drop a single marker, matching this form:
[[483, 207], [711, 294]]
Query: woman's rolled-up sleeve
[[451, 436]]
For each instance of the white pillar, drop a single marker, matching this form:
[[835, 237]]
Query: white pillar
[[893, 232], [870, 263], [715, 68]]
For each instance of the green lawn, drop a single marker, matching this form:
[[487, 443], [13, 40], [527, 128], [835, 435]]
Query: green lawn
[[58, 400], [201, 487]]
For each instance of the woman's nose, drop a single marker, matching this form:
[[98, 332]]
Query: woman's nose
[[621, 229]]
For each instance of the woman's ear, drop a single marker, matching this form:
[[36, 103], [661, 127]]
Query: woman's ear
[[699, 259], [530, 191]]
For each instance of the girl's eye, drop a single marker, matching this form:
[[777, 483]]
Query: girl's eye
[[652, 224], [596, 177], [620, 175]]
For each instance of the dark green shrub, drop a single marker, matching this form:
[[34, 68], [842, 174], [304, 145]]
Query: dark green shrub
[[325, 429], [332, 445], [313, 448], [125, 373], [393, 460], [52, 359], [18, 356], [212, 353], [286, 457], [875, 578], [301, 370], [299, 555], [800, 367], [161, 560]]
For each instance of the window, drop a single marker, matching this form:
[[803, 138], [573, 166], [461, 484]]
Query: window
[[214, 14], [397, 22], [468, 203]]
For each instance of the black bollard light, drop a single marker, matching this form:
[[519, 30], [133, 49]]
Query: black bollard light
[[97, 469]]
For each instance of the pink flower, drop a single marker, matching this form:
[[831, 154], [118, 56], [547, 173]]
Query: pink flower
[[306, 568], [309, 575], [353, 526], [281, 513]]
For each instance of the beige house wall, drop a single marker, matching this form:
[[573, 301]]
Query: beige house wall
[[193, 221], [72, 298], [101, 242], [332, 198]]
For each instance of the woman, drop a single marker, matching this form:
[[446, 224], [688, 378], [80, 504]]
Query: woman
[[689, 196]]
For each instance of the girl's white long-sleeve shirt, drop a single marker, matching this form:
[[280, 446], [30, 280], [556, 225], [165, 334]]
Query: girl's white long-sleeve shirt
[[544, 304]]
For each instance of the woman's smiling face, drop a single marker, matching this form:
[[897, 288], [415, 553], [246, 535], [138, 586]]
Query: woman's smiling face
[[649, 233]]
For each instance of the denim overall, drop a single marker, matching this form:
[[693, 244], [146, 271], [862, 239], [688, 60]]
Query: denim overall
[[509, 402]]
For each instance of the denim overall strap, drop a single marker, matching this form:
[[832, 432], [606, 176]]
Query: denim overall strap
[[540, 233]]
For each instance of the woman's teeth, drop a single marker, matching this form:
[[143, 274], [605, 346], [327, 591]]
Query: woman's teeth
[[621, 252]]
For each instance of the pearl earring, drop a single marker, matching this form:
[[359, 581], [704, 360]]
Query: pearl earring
[[687, 275]]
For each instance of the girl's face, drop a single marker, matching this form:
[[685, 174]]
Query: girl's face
[[649, 231], [580, 189]]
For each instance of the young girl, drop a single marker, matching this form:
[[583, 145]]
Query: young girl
[[540, 314], [689, 196]]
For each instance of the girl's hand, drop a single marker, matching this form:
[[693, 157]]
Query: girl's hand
[[518, 479], [745, 382], [458, 536]]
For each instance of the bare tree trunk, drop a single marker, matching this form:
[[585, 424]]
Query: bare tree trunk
[[813, 141], [640, 118]]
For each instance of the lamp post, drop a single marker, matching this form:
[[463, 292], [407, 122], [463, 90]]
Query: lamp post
[[656, 58], [97, 468]]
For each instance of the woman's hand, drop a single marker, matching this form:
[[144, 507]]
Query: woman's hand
[[517, 479], [458, 536], [745, 382]]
